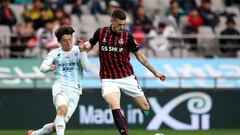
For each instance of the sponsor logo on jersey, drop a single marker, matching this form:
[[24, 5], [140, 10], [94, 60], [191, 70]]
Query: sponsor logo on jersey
[[111, 49]]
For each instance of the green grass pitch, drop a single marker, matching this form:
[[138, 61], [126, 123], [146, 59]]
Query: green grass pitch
[[134, 132]]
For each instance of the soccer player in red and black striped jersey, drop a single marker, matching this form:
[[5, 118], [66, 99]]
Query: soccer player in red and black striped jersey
[[116, 71]]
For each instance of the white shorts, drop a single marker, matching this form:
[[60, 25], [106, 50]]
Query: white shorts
[[65, 95], [129, 85]]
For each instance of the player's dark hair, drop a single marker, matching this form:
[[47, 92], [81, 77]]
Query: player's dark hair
[[230, 21], [63, 30], [206, 1], [119, 14], [161, 25]]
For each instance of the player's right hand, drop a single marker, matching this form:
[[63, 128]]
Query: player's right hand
[[87, 46], [81, 46], [52, 68], [161, 76]]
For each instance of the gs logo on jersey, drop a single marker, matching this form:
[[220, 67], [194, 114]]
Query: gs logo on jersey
[[111, 49]]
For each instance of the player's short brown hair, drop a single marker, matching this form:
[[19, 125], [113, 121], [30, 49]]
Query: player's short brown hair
[[64, 30], [119, 14]]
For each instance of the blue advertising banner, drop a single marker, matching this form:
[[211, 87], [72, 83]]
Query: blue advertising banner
[[184, 73]]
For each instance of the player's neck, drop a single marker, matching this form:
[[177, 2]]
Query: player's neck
[[66, 51], [113, 31]]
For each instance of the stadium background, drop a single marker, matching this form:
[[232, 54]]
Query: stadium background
[[196, 47]]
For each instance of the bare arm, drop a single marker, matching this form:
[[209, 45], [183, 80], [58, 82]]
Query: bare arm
[[141, 58]]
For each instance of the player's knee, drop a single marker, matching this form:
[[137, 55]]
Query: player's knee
[[62, 110], [114, 105], [146, 106]]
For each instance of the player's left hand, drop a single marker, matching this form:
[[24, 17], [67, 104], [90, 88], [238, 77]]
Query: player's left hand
[[81, 46], [87, 46], [52, 68], [161, 76]]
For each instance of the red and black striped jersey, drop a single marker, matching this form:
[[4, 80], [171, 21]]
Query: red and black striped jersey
[[114, 50]]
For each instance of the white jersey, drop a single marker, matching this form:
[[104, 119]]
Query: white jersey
[[69, 70]]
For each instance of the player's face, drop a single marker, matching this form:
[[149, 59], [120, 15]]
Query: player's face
[[118, 25], [66, 42]]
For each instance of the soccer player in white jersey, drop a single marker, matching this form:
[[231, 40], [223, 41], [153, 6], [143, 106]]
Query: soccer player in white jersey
[[68, 63]]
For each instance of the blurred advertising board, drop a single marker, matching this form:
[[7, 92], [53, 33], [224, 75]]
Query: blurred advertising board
[[175, 109], [23, 68], [185, 73]]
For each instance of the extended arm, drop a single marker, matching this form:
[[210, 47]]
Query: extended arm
[[47, 65], [84, 61], [83, 57], [142, 59]]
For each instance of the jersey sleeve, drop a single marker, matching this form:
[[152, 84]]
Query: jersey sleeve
[[85, 61], [133, 46], [95, 37], [47, 62]]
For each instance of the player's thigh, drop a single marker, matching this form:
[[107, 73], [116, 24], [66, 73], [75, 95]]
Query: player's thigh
[[72, 104], [109, 86], [113, 100], [130, 86], [59, 96], [111, 93]]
